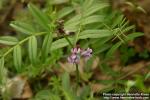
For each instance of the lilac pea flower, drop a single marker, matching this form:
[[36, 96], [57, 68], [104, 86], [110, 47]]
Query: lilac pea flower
[[87, 53], [77, 53], [73, 59], [75, 50]]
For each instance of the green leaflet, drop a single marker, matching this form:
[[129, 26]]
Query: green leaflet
[[87, 4], [65, 11], [46, 44], [85, 92], [60, 43], [95, 8], [86, 20], [55, 2], [17, 57], [95, 34], [134, 35], [147, 76], [66, 88], [46, 95], [22, 27], [2, 62], [66, 81], [8, 40], [71, 24], [69, 95], [113, 49], [40, 17], [74, 22], [2, 72], [117, 20], [32, 49], [129, 84], [93, 19]]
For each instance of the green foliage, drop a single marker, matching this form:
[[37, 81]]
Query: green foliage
[[144, 54], [66, 88], [129, 85], [138, 83], [46, 95], [117, 45], [66, 81], [126, 53], [8, 40], [91, 21], [22, 27], [147, 76], [64, 12]]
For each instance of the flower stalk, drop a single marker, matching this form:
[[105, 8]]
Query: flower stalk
[[77, 76], [76, 54]]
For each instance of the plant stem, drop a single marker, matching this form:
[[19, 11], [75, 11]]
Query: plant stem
[[77, 76], [68, 41]]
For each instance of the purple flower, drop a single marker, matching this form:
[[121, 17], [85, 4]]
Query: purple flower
[[77, 53], [87, 53], [76, 50], [73, 59]]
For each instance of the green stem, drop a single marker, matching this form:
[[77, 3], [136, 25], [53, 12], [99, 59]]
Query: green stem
[[77, 76], [68, 41]]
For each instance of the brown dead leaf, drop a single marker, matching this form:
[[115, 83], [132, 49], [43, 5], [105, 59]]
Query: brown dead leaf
[[18, 88], [95, 63], [139, 68], [27, 92]]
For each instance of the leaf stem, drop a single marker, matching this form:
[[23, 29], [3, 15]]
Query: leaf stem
[[68, 41]]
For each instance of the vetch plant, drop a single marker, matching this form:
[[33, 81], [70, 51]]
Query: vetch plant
[[40, 48]]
